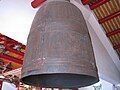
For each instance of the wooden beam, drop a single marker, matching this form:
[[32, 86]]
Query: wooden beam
[[116, 46], [98, 3], [14, 51], [109, 17], [11, 59], [113, 32]]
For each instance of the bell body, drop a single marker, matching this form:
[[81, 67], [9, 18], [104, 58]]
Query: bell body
[[59, 51]]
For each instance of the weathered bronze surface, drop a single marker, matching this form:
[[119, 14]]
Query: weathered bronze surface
[[59, 50]]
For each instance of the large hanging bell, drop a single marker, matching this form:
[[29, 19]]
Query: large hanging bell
[[59, 51]]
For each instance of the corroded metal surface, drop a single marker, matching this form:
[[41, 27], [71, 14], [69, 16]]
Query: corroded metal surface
[[59, 51]]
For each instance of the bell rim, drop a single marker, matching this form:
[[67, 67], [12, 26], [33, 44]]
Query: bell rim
[[87, 78]]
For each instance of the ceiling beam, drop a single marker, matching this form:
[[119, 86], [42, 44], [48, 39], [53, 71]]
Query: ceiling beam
[[98, 3], [11, 59], [10, 41], [111, 16], [116, 46], [7, 42], [113, 32], [14, 51]]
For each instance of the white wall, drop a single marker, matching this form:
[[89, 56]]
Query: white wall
[[106, 67], [104, 86], [87, 88], [8, 86], [107, 60]]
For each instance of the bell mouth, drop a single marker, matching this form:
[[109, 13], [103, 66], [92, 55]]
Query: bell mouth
[[60, 80]]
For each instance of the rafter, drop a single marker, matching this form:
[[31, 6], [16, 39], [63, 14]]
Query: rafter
[[98, 3], [11, 59], [109, 17], [113, 32]]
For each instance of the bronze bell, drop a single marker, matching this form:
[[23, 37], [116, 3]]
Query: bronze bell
[[59, 51]]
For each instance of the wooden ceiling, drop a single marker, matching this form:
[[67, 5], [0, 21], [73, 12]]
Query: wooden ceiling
[[11, 53], [108, 15]]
